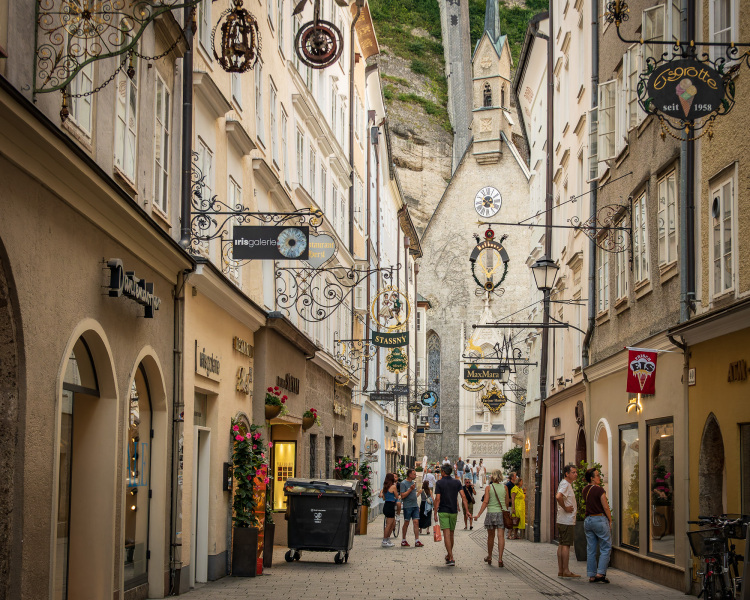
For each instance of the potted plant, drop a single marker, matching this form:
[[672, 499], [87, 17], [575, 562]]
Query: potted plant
[[345, 468], [250, 472], [365, 473], [578, 485], [309, 418], [275, 403], [268, 534]]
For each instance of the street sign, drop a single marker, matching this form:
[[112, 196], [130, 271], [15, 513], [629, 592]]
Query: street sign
[[429, 398], [414, 407], [382, 396]]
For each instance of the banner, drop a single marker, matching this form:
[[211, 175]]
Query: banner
[[390, 340], [641, 371]]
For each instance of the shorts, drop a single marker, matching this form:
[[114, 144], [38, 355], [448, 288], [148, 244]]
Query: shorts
[[447, 520], [494, 520], [411, 513], [567, 535], [389, 510], [471, 508]]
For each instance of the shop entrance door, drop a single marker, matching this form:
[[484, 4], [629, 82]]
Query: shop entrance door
[[556, 465], [201, 478]]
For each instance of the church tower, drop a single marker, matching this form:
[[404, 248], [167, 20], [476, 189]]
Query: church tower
[[491, 121]]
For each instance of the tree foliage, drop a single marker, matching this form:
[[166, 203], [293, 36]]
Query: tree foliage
[[512, 460]]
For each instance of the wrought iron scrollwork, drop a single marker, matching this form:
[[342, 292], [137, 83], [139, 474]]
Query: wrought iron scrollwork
[[316, 293], [609, 228], [351, 355], [73, 33]]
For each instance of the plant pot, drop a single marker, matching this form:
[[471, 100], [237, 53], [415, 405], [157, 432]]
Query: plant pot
[[244, 551], [268, 534], [307, 422], [363, 510], [580, 542], [272, 411]]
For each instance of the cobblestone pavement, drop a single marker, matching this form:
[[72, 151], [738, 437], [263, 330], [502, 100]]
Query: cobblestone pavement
[[378, 573]]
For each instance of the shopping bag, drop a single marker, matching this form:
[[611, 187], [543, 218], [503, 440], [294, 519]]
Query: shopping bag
[[437, 535]]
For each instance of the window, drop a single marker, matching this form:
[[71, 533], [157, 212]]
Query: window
[[281, 32], [745, 467], [126, 123], [721, 236], [269, 9], [629, 486], [313, 170], [204, 26], [335, 209], [161, 145], [607, 119], [593, 144], [632, 68], [419, 320], [359, 212], [666, 219], [296, 23], [723, 20], [234, 198], [342, 217], [487, 95], [81, 106], [284, 461], [300, 157], [660, 23], [237, 90], [621, 271], [602, 279], [284, 149], [581, 177], [274, 131], [334, 109], [323, 200], [640, 240], [661, 487], [313, 455], [259, 100]]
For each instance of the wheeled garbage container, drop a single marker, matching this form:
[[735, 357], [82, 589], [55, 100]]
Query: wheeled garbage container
[[322, 516]]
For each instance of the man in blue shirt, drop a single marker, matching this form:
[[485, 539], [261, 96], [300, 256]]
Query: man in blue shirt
[[410, 504]]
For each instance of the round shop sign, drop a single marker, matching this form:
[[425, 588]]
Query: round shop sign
[[686, 89], [292, 242], [429, 398]]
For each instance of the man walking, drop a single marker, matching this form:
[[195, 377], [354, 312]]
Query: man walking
[[410, 504], [460, 470], [446, 461], [430, 479], [446, 509], [566, 520]]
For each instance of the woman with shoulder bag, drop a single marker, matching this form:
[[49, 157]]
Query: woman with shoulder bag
[[496, 502], [425, 507]]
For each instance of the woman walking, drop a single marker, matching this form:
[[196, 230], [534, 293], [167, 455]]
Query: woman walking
[[518, 509], [483, 472], [495, 502], [425, 507], [598, 527], [474, 472], [389, 494], [469, 492]]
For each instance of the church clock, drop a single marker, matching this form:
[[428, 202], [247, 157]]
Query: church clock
[[487, 202]]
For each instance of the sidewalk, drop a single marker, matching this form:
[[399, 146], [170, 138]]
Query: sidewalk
[[379, 573]]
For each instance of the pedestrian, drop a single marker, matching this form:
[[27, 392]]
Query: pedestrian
[[425, 507], [510, 484], [446, 461], [410, 505], [495, 502], [460, 469], [447, 491], [470, 493], [424, 463], [518, 508], [474, 473], [389, 494], [598, 527], [566, 520], [483, 472], [429, 478], [467, 470]]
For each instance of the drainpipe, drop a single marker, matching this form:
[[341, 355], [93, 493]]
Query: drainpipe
[[187, 131], [367, 242], [408, 374], [416, 359], [687, 193], [544, 359]]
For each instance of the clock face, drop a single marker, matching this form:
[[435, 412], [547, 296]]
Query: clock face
[[487, 202]]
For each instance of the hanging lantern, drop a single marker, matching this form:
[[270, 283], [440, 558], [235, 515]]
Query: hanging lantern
[[240, 39]]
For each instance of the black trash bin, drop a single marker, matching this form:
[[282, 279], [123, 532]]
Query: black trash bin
[[322, 515]]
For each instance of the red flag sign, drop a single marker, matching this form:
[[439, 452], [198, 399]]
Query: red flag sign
[[641, 372]]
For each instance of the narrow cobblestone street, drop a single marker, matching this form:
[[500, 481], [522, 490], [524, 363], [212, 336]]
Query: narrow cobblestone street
[[384, 573]]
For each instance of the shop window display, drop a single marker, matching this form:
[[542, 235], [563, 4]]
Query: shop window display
[[629, 486], [661, 488]]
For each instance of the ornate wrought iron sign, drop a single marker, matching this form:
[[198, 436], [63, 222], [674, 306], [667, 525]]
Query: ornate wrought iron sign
[[259, 242], [322, 250], [390, 309], [318, 43], [473, 373], [494, 399], [240, 39], [489, 262], [429, 398], [390, 340], [472, 384], [414, 407], [396, 361]]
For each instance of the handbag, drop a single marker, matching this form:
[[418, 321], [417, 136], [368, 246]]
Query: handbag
[[507, 520], [437, 535]]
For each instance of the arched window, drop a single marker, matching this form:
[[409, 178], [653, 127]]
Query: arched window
[[433, 375], [502, 95], [487, 95]]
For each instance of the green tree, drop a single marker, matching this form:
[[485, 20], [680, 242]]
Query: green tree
[[512, 460]]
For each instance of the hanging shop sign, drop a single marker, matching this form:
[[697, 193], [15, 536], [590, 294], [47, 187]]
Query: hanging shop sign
[[390, 340], [244, 381], [472, 384], [436, 419], [686, 89], [382, 396], [396, 361], [494, 399], [289, 383], [641, 371], [125, 283], [258, 242], [429, 398], [390, 309], [489, 262], [399, 389], [473, 374], [242, 346], [414, 407], [208, 365], [322, 249]]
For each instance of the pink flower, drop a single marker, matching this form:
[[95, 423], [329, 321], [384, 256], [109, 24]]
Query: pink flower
[[365, 480], [239, 438], [247, 437], [266, 480], [236, 428], [257, 436], [249, 477], [255, 447], [270, 444], [262, 454], [355, 472]]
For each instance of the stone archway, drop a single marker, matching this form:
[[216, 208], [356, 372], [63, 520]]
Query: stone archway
[[711, 469], [11, 443]]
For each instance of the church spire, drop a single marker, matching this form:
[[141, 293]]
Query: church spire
[[492, 19]]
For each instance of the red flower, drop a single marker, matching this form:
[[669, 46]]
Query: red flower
[[270, 389], [283, 398], [275, 388]]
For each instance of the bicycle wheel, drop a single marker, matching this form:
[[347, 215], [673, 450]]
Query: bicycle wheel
[[709, 588], [397, 528]]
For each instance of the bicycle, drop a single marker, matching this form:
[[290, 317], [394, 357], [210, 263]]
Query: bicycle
[[396, 528], [720, 578]]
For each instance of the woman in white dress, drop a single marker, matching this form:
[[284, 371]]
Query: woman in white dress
[[475, 473], [482, 471]]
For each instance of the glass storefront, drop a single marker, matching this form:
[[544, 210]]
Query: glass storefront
[[661, 488], [284, 467], [629, 486]]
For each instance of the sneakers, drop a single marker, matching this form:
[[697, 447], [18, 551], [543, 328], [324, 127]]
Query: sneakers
[[450, 563], [418, 544], [404, 543], [388, 544]]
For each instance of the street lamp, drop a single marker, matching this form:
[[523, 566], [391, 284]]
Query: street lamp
[[545, 271], [504, 374]]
